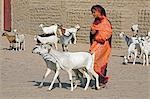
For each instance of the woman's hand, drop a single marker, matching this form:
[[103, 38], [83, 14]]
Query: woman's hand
[[93, 31]]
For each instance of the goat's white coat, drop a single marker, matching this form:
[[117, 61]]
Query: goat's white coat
[[47, 40], [20, 39], [77, 60], [145, 47], [49, 30], [50, 62]]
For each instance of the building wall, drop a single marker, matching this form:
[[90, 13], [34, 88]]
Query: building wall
[[28, 14]]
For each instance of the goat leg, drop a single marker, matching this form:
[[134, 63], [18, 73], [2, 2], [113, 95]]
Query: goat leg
[[70, 78], [55, 77], [44, 77], [88, 80]]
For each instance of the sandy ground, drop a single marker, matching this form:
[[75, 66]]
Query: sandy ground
[[21, 72]]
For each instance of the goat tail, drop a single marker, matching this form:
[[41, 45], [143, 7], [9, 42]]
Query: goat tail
[[93, 58]]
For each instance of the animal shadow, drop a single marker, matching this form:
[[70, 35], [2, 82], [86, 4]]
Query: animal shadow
[[47, 84]]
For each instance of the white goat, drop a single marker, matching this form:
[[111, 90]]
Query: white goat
[[17, 39], [53, 39], [50, 29], [52, 65], [133, 49], [20, 39], [50, 62], [77, 60], [73, 30], [145, 47]]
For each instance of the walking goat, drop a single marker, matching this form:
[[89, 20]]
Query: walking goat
[[51, 65], [77, 60]]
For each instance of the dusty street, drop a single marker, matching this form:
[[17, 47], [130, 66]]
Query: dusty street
[[21, 72]]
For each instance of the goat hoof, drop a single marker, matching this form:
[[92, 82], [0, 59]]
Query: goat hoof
[[71, 89], [49, 89], [85, 89], [75, 87], [97, 88]]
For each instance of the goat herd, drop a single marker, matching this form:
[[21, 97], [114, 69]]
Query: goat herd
[[56, 60], [49, 36], [138, 46]]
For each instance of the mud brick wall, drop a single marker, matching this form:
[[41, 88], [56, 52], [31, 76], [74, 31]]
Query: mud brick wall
[[28, 14]]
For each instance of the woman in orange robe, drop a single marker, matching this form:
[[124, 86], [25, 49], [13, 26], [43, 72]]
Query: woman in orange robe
[[100, 39]]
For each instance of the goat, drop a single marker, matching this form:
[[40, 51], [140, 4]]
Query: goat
[[11, 39], [51, 64], [134, 48], [127, 39], [20, 39], [50, 29], [74, 60], [65, 31], [64, 40], [52, 39], [145, 47]]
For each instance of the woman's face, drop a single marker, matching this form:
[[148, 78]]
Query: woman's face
[[96, 13]]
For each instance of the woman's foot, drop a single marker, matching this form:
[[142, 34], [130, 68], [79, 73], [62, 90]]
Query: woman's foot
[[105, 80]]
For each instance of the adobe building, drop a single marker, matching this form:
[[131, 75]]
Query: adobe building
[[26, 15]]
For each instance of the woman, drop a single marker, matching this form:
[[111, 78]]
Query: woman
[[100, 39]]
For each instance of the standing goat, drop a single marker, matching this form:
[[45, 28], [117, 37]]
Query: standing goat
[[128, 39], [65, 31], [50, 39], [17, 39], [145, 47], [11, 39], [50, 29], [64, 40], [20, 41]]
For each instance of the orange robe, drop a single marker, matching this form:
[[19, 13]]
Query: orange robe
[[101, 45]]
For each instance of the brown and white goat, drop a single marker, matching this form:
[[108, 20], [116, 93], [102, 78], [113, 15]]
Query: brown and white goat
[[17, 39], [11, 39]]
